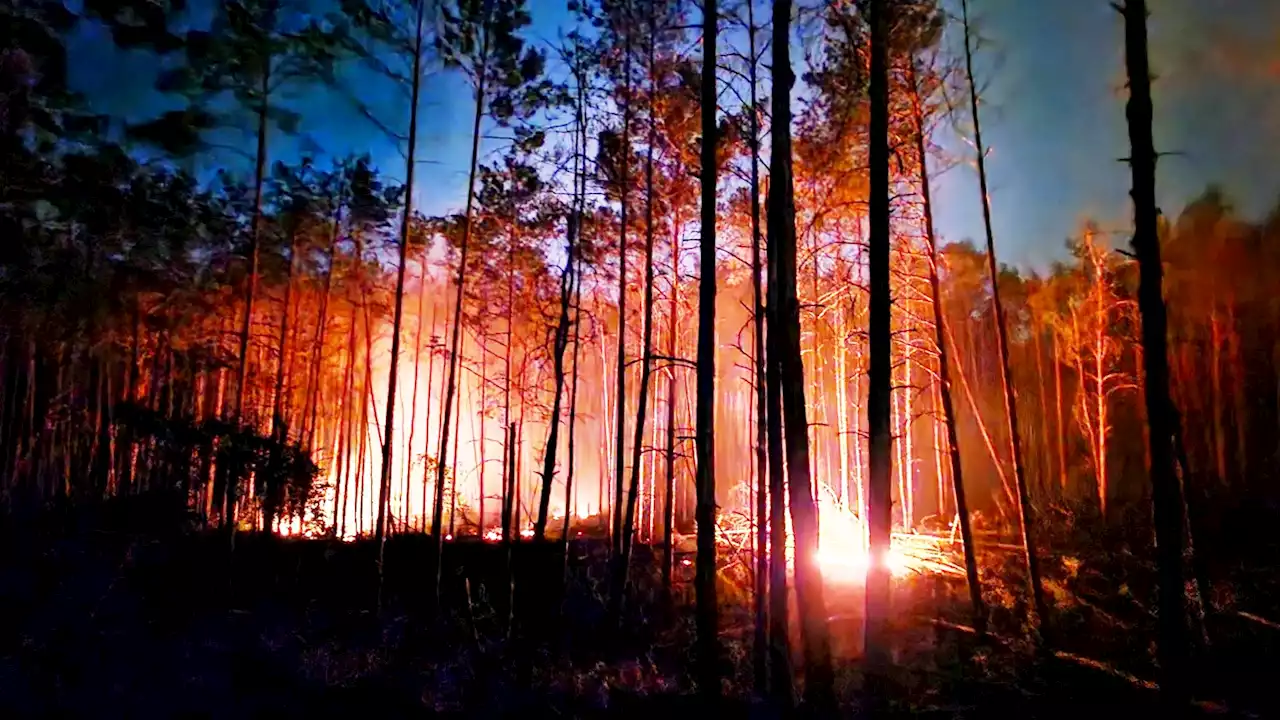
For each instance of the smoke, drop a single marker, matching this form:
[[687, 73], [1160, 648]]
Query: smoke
[[1217, 65]]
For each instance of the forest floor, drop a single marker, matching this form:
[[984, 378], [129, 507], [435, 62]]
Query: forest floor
[[104, 621]]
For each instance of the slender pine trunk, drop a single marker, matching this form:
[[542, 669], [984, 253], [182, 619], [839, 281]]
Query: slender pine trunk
[[250, 294], [1025, 509], [944, 371], [760, 647], [620, 407], [707, 612], [417, 377], [646, 347], [668, 509], [384, 481], [456, 334], [880, 450], [279, 430]]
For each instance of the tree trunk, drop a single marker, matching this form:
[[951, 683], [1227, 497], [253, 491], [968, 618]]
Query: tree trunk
[[1061, 427], [646, 347], [619, 466], [561, 344], [1219, 405], [251, 290], [446, 408], [708, 644], [1161, 414], [944, 372], [426, 425], [417, 377], [879, 427], [760, 654], [1002, 342], [384, 481], [1239, 376], [568, 286], [1100, 376], [1045, 471], [279, 431], [344, 433], [782, 233], [668, 508], [506, 372], [573, 418], [322, 325]]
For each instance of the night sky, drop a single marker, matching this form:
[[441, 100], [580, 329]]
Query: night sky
[[1053, 115]]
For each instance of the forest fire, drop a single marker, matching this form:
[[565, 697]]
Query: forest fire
[[308, 413], [843, 556]]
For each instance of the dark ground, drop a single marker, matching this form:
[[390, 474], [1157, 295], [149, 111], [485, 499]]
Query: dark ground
[[104, 615]]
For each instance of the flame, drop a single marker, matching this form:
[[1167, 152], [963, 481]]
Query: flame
[[844, 556], [843, 553], [495, 534]]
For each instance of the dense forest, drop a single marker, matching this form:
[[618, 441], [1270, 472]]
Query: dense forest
[[691, 355]]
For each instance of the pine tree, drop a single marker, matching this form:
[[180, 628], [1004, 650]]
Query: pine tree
[[252, 50], [784, 342], [1167, 499]]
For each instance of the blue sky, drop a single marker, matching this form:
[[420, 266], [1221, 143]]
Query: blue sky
[[1053, 115]]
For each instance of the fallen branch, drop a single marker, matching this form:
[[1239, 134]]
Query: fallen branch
[[1103, 667], [1260, 620]]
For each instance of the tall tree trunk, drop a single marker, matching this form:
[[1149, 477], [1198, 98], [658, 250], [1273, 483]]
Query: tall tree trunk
[[573, 418], [1239, 376], [619, 449], [279, 430], [484, 417], [508, 485], [1161, 414], [1025, 509], [560, 345], [506, 372], [1219, 404], [314, 378], [1045, 465], [668, 509], [388, 435], [646, 346], [708, 643], [760, 647], [250, 293], [819, 679], [1099, 377], [508, 471], [944, 370], [344, 433], [417, 376], [446, 408], [879, 425], [580, 190], [1061, 427]]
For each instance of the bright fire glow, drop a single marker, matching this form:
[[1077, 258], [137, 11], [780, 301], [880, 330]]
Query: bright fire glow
[[495, 534], [843, 554]]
